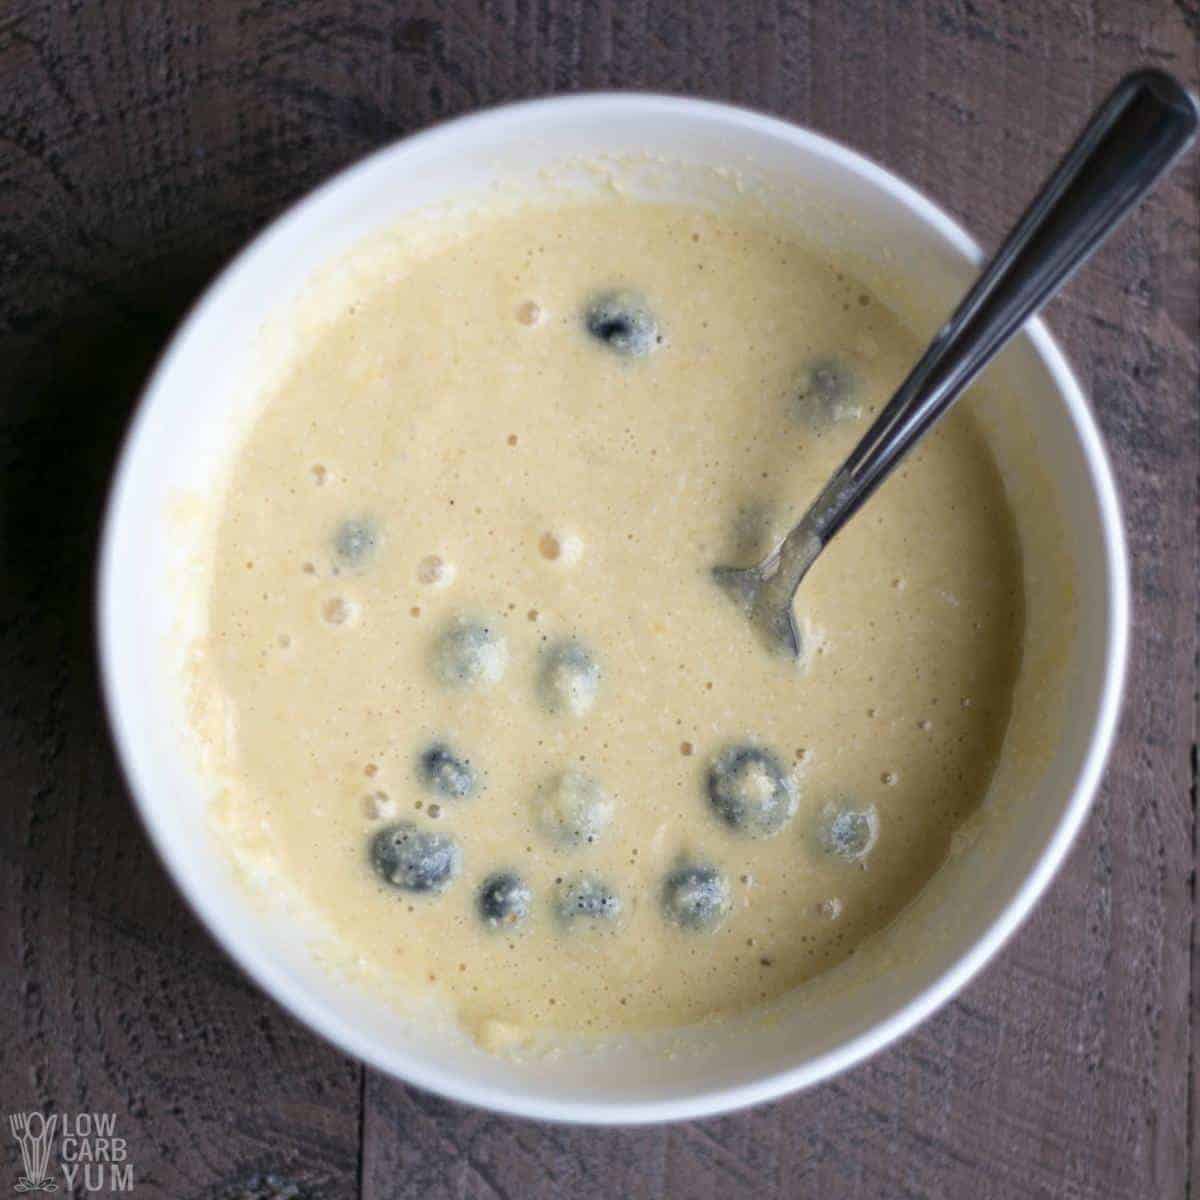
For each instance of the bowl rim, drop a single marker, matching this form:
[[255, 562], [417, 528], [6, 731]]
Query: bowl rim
[[274, 979]]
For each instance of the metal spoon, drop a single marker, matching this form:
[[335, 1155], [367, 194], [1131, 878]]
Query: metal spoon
[[1139, 131]]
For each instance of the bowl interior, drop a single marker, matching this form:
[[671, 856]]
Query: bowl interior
[[1053, 466]]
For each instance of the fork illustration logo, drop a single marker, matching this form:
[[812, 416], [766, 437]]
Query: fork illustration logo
[[35, 1135]]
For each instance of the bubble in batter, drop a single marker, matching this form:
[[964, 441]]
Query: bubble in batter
[[338, 610], [434, 571], [847, 832], [377, 805], [565, 549], [446, 773], [829, 395], [356, 541], [470, 654], [586, 898], [622, 321], [413, 860], [572, 809], [569, 680], [530, 313], [750, 791], [695, 897], [503, 900]]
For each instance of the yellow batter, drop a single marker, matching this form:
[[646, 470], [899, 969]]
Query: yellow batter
[[462, 589]]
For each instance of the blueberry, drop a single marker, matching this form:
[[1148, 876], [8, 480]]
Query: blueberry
[[444, 772], [586, 898], [621, 320], [415, 861], [751, 533], [569, 679], [828, 395], [847, 832], [503, 900], [695, 897], [750, 791], [470, 654], [355, 541], [572, 809]]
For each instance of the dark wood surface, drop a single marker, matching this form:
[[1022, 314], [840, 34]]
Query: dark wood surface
[[141, 142]]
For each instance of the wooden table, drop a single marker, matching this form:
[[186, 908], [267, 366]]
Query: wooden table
[[140, 144]]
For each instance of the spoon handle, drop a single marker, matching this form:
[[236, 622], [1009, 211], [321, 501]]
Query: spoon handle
[[1147, 122]]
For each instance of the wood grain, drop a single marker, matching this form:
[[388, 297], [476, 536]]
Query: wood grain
[[140, 144]]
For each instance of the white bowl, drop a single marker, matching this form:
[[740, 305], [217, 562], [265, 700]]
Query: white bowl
[[1056, 471]]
